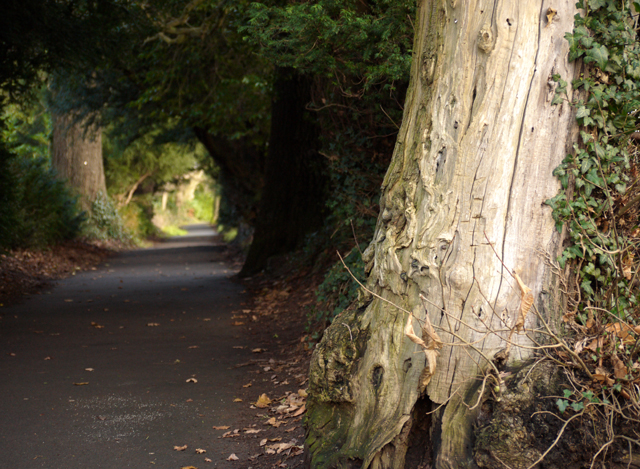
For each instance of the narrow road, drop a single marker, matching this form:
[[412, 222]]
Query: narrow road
[[114, 367]]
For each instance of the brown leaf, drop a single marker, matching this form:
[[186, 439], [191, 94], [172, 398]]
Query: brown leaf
[[551, 13], [408, 331], [302, 393], [233, 457], [80, 384], [152, 324], [623, 331], [263, 401], [272, 421], [237, 399], [627, 264], [263, 442], [238, 323], [188, 467], [619, 368], [221, 427], [180, 448], [252, 431], [192, 380], [200, 450], [525, 304], [257, 350], [300, 411], [207, 460]]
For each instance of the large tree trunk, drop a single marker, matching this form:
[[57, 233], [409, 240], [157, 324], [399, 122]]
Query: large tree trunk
[[292, 201], [77, 157], [471, 172]]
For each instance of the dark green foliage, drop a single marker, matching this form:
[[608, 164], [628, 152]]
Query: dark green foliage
[[337, 39], [337, 291], [104, 222], [36, 209], [38, 36], [596, 178]]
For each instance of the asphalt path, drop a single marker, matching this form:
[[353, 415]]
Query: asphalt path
[[114, 367]]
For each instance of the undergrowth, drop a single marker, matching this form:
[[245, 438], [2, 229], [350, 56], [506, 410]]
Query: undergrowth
[[597, 210]]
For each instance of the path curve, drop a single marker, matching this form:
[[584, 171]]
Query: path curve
[[98, 372]]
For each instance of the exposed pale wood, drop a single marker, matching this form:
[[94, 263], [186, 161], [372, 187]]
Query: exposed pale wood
[[473, 160]]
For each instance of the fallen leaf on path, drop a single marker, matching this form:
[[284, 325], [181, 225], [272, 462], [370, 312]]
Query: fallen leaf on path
[[280, 447], [233, 457], [263, 401], [258, 350], [300, 411], [194, 346], [248, 385], [192, 380], [272, 421], [263, 442], [200, 450], [152, 324], [237, 399], [221, 427], [80, 384], [246, 311], [207, 460], [232, 434], [239, 346], [252, 431], [189, 467], [180, 448], [97, 326], [302, 393], [88, 369], [238, 323], [69, 301], [206, 319], [47, 358], [289, 430]]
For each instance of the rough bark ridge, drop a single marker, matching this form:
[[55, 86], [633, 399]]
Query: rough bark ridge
[[77, 157], [473, 162]]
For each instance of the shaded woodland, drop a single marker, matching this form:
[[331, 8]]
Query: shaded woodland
[[474, 164]]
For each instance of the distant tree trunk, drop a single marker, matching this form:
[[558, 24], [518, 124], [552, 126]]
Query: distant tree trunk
[[242, 171], [292, 200], [77, 157], [470, 173]]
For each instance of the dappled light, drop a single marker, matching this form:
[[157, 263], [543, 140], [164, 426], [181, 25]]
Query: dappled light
[[320, 234]]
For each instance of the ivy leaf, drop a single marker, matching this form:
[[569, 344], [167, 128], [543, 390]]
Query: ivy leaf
[[597, 4], [562, 405], [577, 406], [598, 54], [582, 112]]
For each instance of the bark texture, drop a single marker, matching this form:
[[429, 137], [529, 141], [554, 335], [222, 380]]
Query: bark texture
[[472, 169], [293, 197], [77, 157]]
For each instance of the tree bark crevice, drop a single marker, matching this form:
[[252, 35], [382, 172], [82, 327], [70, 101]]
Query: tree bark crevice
[[451, 195]]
